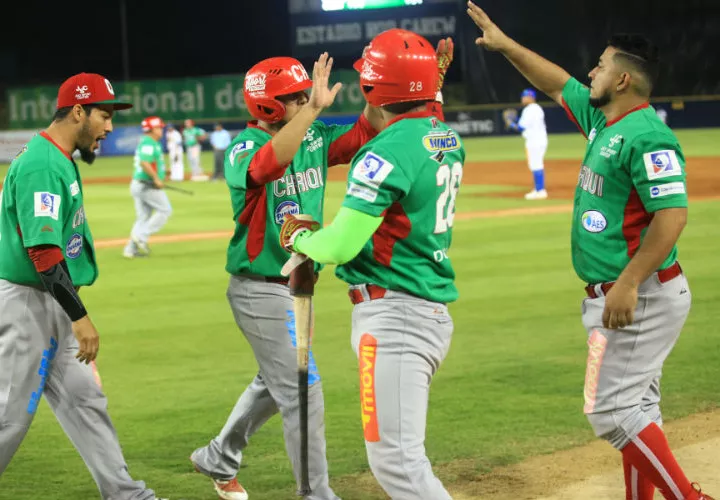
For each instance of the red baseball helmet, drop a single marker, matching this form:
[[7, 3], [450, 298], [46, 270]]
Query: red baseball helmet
[[151, 122], [398, 66], [269, 79]]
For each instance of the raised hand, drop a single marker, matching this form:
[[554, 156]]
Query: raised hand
[[492, 37], [321, 96]]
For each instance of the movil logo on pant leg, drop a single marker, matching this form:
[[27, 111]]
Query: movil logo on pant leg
[[368, 402]]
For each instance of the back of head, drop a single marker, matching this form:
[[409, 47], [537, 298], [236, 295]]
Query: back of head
[[639, 56], [398, 66], [152, 122], [269, 79]]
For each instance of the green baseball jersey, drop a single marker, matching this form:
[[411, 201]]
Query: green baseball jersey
[[410, 175], [633, 167], [42, 204], [191, 134], [150, 151], [259, 212]]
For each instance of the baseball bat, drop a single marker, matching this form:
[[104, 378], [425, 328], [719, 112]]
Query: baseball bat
[[170, 187], [302, 287]]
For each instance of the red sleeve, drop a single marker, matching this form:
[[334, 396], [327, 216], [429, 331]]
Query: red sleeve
[[570, 114], [436, 109], [45, 256], [344, 147], [264, 167]]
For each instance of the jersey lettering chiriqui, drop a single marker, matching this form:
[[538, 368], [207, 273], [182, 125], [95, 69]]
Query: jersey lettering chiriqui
[[633, 167], [260, 211], [410, 174], [148, 150], [42, 204]]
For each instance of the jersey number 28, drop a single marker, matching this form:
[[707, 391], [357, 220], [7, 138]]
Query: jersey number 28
[[449, 178]]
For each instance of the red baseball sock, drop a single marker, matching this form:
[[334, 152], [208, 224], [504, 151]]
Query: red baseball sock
[[650, 454], [637, 486]]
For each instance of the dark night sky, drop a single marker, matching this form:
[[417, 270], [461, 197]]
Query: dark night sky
[[165, 38]]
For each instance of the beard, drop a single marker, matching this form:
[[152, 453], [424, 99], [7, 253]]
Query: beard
[[87, 156], [85, 143], [599, 102]]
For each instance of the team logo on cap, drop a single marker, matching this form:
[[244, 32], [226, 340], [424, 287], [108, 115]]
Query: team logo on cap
[[368, 71], [109, 86], [82, 92], [255, 83]]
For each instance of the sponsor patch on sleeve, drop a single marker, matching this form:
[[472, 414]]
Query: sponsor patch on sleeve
[[239, 148], [74, 188], [659, 164], [372, 170], [148, 149], [47, 204], [362, 192], [667, 189]]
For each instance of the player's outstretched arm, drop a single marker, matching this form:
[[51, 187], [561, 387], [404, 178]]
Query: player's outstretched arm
[[337, 243], [288, 139], [541, 73]]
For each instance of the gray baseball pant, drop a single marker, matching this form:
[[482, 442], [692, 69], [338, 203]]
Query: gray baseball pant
[[37, 356], [152, 211], [622, 381], [264, 313], [400, 341]]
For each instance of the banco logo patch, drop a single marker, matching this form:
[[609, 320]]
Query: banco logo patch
[[446, 141]]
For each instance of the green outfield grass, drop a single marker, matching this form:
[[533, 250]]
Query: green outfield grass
[[699, 142], [173, 362]]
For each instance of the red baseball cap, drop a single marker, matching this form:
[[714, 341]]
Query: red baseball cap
[[88, 88], [151, 122]]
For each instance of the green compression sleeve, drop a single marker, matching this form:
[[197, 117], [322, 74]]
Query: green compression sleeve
[[342, 240]]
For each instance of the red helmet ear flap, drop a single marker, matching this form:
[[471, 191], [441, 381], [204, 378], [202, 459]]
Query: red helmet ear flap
[[266, 109]]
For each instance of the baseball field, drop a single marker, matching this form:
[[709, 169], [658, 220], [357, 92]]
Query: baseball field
[[505, 417]]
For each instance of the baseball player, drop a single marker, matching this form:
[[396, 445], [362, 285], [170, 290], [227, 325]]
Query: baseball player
[[47, 338], [391, 240], [630, 208], [277, 167], [152, 206], [192, 137], [174, 141], [532, 127]]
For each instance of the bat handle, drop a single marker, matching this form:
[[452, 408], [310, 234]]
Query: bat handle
[[304, 489]]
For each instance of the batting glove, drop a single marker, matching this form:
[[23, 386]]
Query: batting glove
[[444, 52], [292, 227]]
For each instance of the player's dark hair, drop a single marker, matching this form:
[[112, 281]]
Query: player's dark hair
[[399, 108], [639, 53], [62, 113]]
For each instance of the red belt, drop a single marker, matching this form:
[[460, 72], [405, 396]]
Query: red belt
[[374, 292], [663, 276]]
